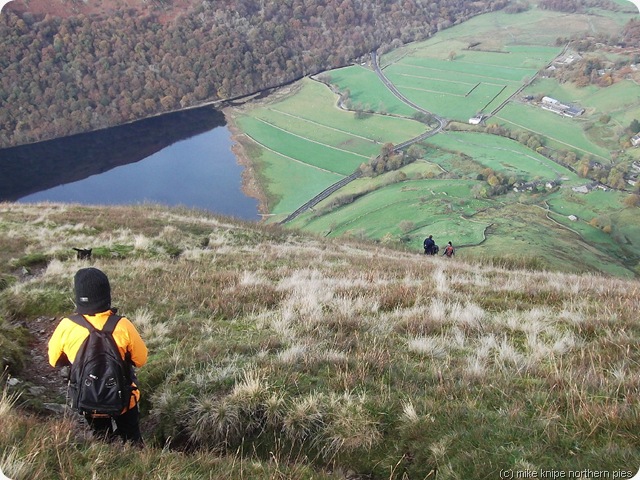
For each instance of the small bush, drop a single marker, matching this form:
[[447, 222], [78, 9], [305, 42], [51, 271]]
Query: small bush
[[32, 260], [215, 423], [24, 304], [6, 281], [13, 344]]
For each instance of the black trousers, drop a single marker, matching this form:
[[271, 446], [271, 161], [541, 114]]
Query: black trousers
[[127, 426]]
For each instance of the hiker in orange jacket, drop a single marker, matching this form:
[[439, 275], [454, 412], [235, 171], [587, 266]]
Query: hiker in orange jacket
[[449, 251], [93, 302]]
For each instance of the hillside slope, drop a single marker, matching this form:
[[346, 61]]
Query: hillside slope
[[275, 354]]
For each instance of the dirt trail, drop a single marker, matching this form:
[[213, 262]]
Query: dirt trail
[[38, 380]]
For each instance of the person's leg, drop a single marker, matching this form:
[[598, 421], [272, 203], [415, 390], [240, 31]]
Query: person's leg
[[129, 426], [101, 426]]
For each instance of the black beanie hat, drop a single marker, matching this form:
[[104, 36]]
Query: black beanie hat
[[93, 292]]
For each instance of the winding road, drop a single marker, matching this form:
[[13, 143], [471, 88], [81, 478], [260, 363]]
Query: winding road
[[442, 123]]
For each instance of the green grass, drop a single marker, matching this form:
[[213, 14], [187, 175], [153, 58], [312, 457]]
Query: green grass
[[302, 149], [313, 111], [427, 204], [534, 27], [471, 82], [505, 156], [380, 212], [283, 172], [559, 131], [618, 101], [375, 96], [306, 141], [602, 208]]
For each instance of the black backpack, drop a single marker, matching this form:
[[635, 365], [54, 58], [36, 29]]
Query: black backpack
[[100, 380]]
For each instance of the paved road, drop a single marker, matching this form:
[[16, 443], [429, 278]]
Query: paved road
[[322, 195], [442, 122]]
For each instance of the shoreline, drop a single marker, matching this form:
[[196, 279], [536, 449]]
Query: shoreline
[[250, 185]]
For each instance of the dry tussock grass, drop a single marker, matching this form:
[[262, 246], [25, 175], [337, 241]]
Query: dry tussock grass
[[354, 354]]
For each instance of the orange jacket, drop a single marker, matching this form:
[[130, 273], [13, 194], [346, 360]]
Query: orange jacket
[[68, 336]]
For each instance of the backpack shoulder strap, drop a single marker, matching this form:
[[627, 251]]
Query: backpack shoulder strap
[[112, 321], [109, 326], [83, 322]]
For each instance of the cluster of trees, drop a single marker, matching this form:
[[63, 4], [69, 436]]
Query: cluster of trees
[[594, 70], [531, 140], [496, 184], [631, 34], [387, 161], [611, 174], [390, 160], [517, 7], [64, 76], [573, 6]]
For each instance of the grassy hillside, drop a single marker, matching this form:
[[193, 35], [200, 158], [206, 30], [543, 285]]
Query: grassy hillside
[[277, 354], [528, 209]]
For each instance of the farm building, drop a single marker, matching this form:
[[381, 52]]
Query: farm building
[[581, 189], [556, 106], [635, 140], [568, 59], [532, 186]]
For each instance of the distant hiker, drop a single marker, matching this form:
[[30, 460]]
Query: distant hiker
[[429, 246], [449, 251], [102, 379]]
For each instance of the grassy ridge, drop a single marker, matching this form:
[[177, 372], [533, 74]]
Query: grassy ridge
[[275, 354]]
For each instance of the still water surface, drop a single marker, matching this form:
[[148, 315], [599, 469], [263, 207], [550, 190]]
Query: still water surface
[[182, 158], [200, 172]]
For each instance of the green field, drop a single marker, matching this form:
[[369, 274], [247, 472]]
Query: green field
[[505, 156], [306, 141], [534, 28], [585, 133], [473, 82], [318, 141], [560, 132], [376, 96], [284, 173], [380, 213]]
